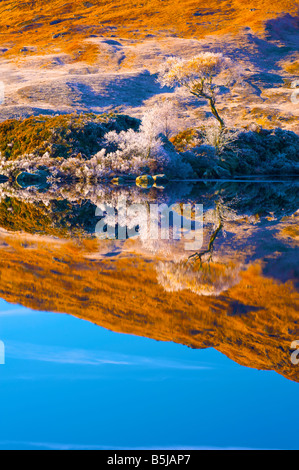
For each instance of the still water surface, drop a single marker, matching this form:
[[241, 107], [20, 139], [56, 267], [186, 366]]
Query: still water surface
[[127, 344]]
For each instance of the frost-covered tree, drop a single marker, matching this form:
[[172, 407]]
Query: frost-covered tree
[[201, 76], [162, 118], [133, 151]]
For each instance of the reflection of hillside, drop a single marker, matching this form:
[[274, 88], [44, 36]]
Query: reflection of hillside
[[253, 323], [254, 318]]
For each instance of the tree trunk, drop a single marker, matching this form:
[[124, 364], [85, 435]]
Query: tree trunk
[[211, 100], [216, 114]]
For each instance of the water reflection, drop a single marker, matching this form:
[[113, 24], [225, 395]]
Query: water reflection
[[238, 293]]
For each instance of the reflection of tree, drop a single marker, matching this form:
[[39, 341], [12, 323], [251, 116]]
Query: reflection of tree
[[201, 278], [209, 251], [198, 272]]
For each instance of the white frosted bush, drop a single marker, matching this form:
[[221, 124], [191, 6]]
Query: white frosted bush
[[220, 139], [127, 152]]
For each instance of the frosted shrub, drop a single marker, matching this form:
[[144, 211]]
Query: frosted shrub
[[145, 150], [220, 139], [133, 153]]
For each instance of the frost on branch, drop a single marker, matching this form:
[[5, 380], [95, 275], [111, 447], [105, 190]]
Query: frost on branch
[[146, 150], [128, 151], [201, 76]]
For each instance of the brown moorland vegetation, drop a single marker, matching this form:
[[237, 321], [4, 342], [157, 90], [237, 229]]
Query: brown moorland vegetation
[[55, 25], [61, 135]]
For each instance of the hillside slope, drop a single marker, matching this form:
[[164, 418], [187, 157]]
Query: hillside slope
[[58, 24], [99, 56]]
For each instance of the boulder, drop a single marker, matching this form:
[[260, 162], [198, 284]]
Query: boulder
[[145, 181]]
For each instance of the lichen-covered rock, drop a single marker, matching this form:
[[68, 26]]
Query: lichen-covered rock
[[145, 181]]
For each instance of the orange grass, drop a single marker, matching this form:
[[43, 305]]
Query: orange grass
[[292, 67], [58, 26]]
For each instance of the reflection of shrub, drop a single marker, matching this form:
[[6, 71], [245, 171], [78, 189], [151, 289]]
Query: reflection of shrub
[[202, 279], [55, 217]]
